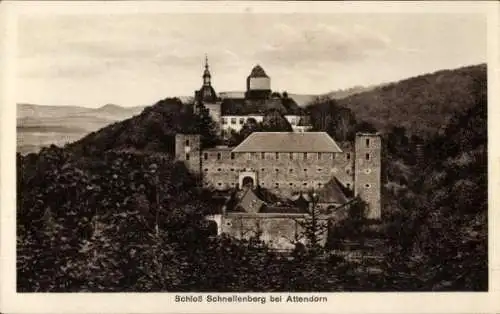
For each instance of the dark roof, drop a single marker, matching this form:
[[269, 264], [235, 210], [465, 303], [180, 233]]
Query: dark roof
[[206, 93], [331, 192], [258, 71], [282, 209], [241, 106], [288, 142], [250, 202]]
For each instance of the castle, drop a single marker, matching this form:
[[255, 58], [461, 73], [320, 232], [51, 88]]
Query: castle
[[285, 165], [231, 114]]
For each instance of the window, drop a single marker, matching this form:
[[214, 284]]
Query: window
[[368, 170], [319, 156], [367, 185], [305, 156], [320, 185], [333, 156], [348, 156], [232, 169], [218, 156], [348, 185], [205, 156], [348, 171], [305, 169], [232, 155], [291, 156], [277, 185], [187, 156], [367, 156], [224, 121], [242, 121], [233, 120], [367, 142], [319, 169], [249, 156], [206, 169], [219, 169], [291, 184], [277, 156], [291, 170], [262, 156], [305, 183], [277, 170], [219, 183], [187, 142], [262, 169]]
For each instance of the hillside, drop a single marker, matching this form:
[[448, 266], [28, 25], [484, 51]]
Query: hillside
[[421, 104], [153, 130]]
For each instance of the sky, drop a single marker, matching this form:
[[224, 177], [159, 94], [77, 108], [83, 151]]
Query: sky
[[138, 59]]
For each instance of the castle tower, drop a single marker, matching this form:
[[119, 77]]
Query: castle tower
[[207, 96], [258, 84], [367, 171], [188, 150]]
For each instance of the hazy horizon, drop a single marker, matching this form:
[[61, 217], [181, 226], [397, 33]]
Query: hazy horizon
[[138, 59]]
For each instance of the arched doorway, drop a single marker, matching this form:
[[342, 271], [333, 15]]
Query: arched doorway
[[248, 182], [247, 179]]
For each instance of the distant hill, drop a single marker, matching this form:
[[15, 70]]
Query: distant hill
[[39, 126], [421, 104]]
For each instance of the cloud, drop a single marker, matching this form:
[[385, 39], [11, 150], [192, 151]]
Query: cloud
[[322, 43]]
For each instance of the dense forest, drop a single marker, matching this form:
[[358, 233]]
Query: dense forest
[[421, 104], [114, 211]]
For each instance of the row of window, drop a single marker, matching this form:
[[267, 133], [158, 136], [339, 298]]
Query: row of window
[[278, 156], [367, 141], [290, 170], [242, 120], [277, 185]]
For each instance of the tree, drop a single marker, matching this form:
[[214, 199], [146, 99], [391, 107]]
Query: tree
[[274, 121]]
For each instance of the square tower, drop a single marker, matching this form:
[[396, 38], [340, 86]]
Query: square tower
[[367, 171], [188, 150]]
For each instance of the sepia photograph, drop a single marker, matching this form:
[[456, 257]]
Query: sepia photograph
[[236, 152]]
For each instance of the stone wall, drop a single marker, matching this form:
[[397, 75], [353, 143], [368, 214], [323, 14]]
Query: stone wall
[[368, 172], [279, 231], [280, 172]]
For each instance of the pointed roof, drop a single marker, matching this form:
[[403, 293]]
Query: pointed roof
[[250, 202], [290, 142], [331, 192], [207, 71], [258, 71]]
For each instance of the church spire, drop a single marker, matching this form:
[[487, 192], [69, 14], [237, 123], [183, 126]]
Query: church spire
[[206, 74]]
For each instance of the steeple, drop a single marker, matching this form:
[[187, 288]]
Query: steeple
[[206, 74]]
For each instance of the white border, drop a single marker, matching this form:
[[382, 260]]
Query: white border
[[11, 302]]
